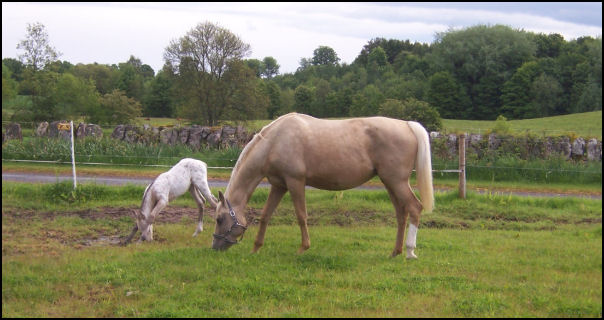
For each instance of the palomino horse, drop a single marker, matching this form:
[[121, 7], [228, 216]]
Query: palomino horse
[[187, 174], [297, 150]]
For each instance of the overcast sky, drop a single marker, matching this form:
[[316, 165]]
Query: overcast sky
[[108, 33]]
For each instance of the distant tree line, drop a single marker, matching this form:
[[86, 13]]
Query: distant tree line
[[476, 73]]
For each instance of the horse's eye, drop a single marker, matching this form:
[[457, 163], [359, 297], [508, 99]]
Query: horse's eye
[[219, 220]]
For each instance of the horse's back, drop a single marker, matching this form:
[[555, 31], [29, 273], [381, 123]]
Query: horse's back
[[339, 154]]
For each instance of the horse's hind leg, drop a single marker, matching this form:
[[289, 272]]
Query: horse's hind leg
[[297, 191], [200, 201], [407, 207], [274, 197]]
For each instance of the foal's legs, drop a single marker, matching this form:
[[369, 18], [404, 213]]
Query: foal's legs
[[200, 201], [274, 197], [159, 206]]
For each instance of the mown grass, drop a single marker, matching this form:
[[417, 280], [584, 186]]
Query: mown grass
[[487, 256], [587, 124]]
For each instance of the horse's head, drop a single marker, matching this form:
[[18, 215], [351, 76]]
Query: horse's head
[[229, 226], [143, 225]]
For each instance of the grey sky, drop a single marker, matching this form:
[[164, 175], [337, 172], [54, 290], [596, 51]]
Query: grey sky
[[108, 33]]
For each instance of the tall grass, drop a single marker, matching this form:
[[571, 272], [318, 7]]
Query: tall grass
[[107, 150]]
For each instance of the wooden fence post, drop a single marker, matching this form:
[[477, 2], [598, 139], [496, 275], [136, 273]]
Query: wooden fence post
[[462, 165]]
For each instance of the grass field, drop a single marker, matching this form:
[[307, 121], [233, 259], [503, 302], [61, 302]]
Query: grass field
[[587, 124], [487, 256]]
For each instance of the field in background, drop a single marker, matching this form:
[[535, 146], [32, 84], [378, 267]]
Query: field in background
[[588, 125]]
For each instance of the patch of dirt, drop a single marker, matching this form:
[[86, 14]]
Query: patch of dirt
[[171, 214]]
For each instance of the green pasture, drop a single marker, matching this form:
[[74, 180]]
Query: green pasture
[[492, 255]]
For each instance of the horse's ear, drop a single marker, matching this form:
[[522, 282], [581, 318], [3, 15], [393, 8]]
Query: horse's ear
[[134, 213], [222, 199]]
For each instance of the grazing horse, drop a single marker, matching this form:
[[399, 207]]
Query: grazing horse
[[297, 150], [187, 174]]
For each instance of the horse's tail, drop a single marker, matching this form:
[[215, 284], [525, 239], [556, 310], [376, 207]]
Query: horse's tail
[[423, 165]]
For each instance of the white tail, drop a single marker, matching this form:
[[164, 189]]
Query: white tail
[[423, 165]]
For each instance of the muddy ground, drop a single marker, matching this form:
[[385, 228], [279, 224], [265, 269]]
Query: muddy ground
[[170, 214]]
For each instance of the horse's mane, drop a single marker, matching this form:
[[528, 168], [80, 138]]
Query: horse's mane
[[147, 192], [250, 145]]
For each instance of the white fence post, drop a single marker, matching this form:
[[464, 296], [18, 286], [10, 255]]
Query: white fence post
[[72, 155]]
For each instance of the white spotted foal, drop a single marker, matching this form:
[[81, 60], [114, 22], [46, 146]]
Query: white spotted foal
[[187, 174]]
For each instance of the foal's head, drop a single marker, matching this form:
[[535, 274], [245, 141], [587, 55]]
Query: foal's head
[[229, 226], [143, 225]]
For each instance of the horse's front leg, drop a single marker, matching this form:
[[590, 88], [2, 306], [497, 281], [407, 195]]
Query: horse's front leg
[[274, 197], [297, 191], [147, 234]]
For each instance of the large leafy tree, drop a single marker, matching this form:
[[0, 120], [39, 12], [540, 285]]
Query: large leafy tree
[[482, 58], [201, 60], [325, 55], [271, 67]]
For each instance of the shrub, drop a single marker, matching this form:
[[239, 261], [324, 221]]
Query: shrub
[[412, 110]]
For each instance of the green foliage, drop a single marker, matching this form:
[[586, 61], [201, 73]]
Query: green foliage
[[206, 63], [502, 126], [325, 55], [446, 95], [412, 110], [474, 73], [116, 108], [74, 97]]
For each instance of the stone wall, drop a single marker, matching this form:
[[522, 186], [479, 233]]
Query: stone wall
[[524, 147], [443, 145], [194, 136]]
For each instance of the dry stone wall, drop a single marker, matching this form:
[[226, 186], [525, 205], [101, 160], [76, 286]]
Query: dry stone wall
[[443, 145]]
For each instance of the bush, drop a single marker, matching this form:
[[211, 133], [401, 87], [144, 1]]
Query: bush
[[412, 110]]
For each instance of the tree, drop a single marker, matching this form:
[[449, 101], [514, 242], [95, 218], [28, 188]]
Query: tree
[[9, 85], [324, 55], [159, 100], [256, 65], [38, 51], [378, 56], [412, 110], [271, 67], [200, 60], [116, 108], [516, 92], [446, 96], [39, 83], [303, 97], [367, 102], [74, 97], [481, 59], [104, 77]]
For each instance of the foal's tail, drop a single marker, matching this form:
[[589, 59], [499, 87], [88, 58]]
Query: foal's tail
[[423, 165]]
